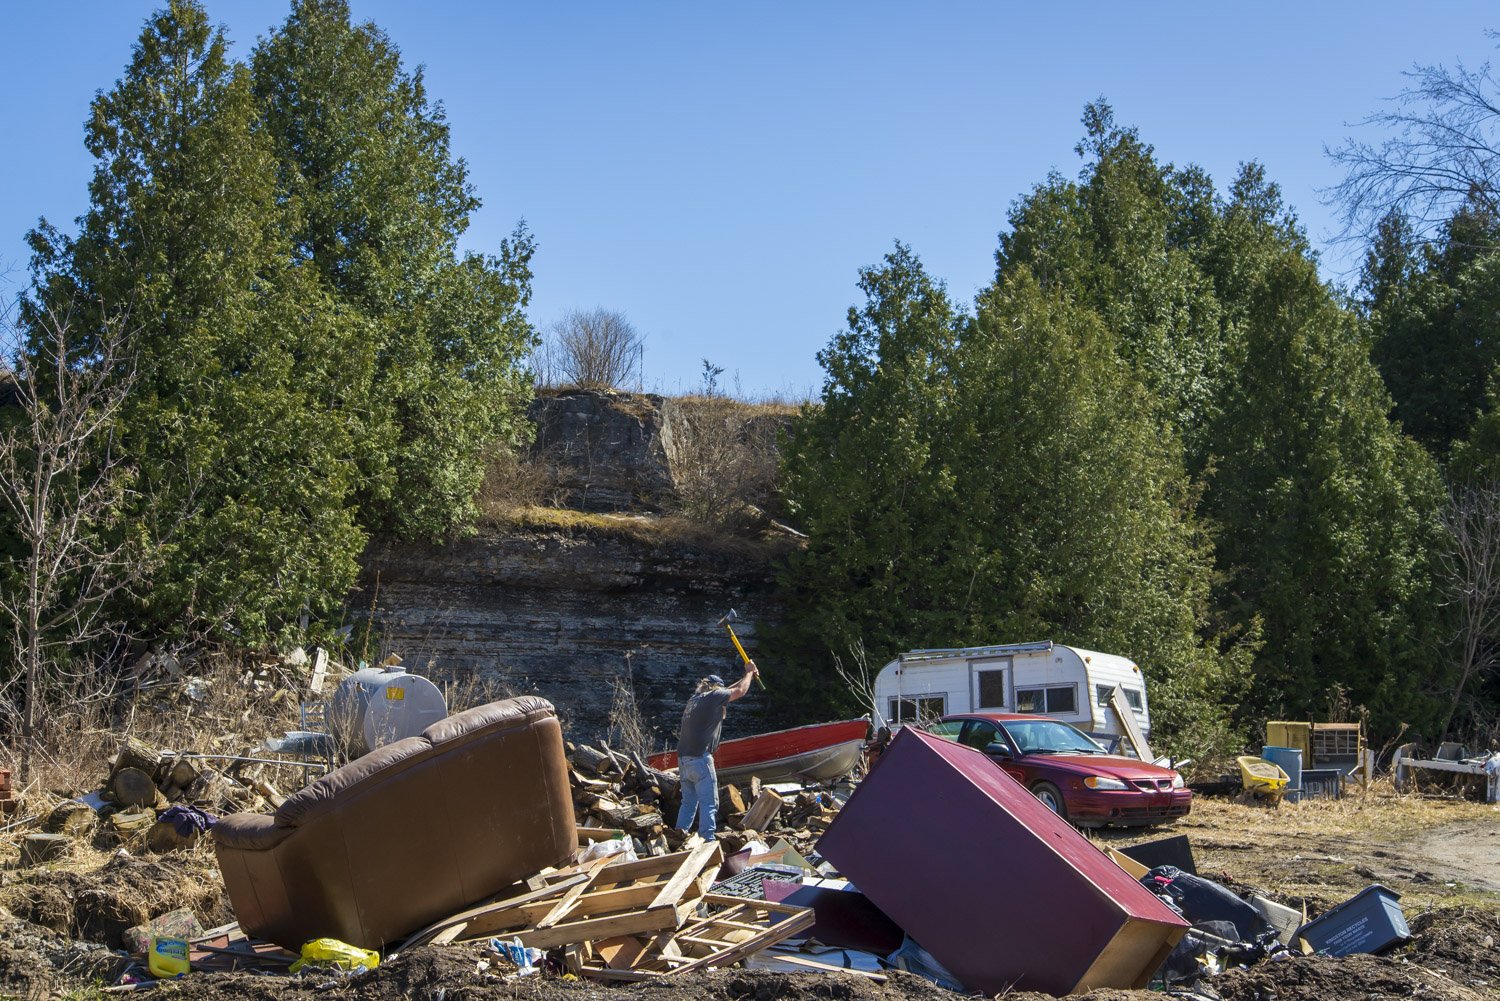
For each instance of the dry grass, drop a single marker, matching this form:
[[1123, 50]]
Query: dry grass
[[647, 529], [627, 728], [216, 707], [96, 893], [775, 406], [1324, 851]]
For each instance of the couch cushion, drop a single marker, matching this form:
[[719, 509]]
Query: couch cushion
[[377, 766], [513, 712]]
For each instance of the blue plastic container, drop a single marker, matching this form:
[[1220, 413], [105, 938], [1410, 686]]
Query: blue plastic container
[[1322, 783], [1370, 921], [1289, 760]]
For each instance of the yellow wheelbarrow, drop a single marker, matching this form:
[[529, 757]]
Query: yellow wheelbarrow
[[1263, 779]]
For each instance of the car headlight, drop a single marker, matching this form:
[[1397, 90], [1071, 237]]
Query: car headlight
[[1177, 782], [1104, 782]]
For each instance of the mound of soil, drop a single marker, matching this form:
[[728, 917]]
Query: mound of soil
[[37, 962], [97, 904], [455, 974]]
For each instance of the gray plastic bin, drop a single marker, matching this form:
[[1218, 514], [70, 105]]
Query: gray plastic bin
[[1370, 921]]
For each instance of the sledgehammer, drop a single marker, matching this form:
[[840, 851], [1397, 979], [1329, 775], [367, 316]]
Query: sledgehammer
[[727, 621]]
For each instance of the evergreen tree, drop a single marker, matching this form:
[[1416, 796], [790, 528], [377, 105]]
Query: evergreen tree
[[364, 156], [238, 420], [969, 480], [1327, 513], [1123, 240], [868, 478], [1431, 310], [1322, 510]]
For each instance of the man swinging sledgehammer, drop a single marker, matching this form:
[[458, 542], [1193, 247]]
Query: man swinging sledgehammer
[[697, 739]]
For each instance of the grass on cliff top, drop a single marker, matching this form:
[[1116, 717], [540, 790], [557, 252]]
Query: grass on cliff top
[[649, 529]]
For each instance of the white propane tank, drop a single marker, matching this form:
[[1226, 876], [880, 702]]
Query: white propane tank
[[375, 706]]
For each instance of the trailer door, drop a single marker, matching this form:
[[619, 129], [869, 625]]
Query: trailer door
[[989, 683]]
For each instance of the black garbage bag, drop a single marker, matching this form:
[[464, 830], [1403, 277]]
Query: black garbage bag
[[1200, 900]]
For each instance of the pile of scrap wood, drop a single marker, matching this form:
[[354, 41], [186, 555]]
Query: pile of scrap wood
[[617, 794], [618, 918], [143, 783], [295, 671]]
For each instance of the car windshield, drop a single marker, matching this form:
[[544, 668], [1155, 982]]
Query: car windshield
[[1048, 737]]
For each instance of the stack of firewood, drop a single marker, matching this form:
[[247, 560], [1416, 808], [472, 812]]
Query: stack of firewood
[[619, 793]]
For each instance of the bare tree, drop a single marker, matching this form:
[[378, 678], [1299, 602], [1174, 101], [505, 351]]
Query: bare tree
[[63, 483], [594, 349], [724, 458], [1472, 574], [858, 678], [1442, 152]]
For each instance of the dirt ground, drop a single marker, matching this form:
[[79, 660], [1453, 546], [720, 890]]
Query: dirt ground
[[59, 924]]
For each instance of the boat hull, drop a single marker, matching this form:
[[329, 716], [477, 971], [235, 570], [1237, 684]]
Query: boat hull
[[814, 753]]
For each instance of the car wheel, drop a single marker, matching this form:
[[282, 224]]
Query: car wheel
[[1051, 798]]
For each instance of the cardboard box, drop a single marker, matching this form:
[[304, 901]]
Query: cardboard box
[[999, 889]]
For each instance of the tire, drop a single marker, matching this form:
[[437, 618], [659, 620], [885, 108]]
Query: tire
[[1051, 798]]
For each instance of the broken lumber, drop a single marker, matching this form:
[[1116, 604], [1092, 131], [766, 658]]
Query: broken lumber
[[762, 811]]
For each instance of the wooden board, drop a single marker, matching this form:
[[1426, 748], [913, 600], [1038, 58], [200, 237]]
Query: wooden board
[[1125, 716]]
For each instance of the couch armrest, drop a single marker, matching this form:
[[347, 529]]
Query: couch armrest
[[250, 832]]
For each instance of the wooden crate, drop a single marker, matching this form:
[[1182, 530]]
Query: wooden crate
[[1336, 742]]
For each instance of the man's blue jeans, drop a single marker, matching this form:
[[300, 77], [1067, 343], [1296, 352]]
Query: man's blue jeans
[[700, 794]]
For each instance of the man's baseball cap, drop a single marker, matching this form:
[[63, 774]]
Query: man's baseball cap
[[716, 680]]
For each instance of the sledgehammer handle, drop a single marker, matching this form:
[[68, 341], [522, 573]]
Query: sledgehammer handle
[[743, 655]]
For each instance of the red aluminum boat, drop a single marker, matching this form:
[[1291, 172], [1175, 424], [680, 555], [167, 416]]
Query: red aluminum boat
[[811, 753]]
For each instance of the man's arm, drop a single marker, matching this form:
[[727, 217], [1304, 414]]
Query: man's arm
[[742, 687]]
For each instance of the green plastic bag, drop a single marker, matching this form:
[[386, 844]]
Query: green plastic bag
[[332, 952]]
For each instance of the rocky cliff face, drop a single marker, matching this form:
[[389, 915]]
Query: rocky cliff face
[[565, 615], [565, 612]]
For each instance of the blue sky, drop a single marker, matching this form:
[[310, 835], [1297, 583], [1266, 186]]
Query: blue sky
[[719, 173]]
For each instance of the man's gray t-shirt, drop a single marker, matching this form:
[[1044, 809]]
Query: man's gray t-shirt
[[702, 719]]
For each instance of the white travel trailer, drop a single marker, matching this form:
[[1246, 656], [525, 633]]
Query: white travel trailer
[[1046, 678]]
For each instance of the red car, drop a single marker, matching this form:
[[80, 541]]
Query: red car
[[1065, 769]]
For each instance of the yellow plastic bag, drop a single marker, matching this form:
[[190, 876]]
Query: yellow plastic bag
[[332, 952]]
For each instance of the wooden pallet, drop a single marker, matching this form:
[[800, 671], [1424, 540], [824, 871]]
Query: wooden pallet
[[602, 899], [723, 931]]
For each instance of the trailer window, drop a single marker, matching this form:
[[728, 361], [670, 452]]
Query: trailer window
[[1132, 696], [991, 689], [1059, 700], [918, 708]]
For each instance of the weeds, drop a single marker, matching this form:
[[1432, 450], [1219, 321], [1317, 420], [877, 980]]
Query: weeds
[[626, 729]]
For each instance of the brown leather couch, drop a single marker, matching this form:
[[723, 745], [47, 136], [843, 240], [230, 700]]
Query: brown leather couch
[[408, 834]]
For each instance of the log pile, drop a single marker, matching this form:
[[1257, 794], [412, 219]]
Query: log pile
[[141, 783], [617, 794], [8, 801]]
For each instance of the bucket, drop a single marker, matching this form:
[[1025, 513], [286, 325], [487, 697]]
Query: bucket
[[1289, 759], [1370, 921], [168, 957]]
